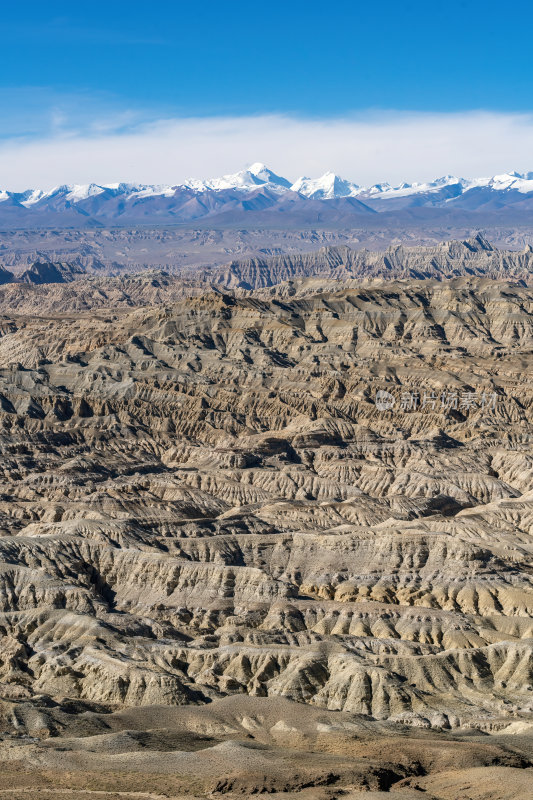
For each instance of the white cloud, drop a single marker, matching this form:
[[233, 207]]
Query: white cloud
[[366, 148]]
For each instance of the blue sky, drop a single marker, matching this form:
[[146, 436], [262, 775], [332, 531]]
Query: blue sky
[[307, 57], [92, 70]]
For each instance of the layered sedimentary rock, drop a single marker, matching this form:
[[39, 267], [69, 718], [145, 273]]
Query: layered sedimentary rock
[[203, 500], [46, 284], [475, 256]]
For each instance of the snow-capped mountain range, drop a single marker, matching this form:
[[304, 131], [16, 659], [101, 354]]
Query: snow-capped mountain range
[[258, 191]]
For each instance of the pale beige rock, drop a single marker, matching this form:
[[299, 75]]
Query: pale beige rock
[[201, 500]]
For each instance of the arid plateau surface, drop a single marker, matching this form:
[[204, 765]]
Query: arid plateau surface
[[273, 540]]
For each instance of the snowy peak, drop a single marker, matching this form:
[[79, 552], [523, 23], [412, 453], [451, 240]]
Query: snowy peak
[[513, 180], [258, 190], [385, 190], [326, 187], [82, 192], [265, 175], [256, 175]]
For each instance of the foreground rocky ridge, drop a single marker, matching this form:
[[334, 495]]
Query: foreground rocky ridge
[[243, 746], [202, 499]]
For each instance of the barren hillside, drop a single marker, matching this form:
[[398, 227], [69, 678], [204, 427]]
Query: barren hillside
[[202, 500]]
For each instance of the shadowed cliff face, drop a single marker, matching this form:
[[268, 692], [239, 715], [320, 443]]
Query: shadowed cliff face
[[203, 499]]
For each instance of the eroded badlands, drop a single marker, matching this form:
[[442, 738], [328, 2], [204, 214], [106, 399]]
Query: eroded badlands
[[223, 566]]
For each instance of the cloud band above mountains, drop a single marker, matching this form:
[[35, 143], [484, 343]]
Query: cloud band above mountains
[[366, 148]]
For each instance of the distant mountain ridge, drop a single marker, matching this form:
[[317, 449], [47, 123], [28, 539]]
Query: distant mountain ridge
[[474, 257], [468, 258], [260, 193]]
